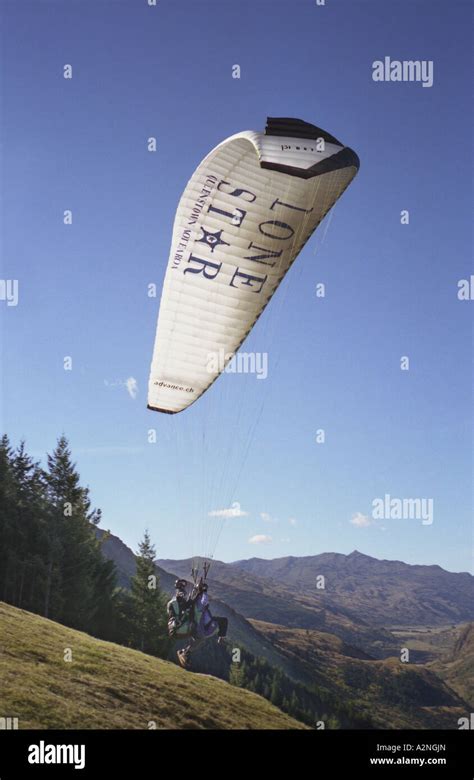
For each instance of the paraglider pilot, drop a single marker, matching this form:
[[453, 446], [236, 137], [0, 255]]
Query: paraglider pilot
[[191, 617]]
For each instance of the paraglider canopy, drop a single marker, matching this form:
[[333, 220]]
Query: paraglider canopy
[[245, 215]]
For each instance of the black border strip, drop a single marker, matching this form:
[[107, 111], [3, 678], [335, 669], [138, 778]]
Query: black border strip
[[297, 128], [346, 158]]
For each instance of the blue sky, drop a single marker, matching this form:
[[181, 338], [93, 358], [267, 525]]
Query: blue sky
[[334, 363]]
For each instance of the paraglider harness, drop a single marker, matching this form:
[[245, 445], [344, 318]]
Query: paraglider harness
[[182, 623]]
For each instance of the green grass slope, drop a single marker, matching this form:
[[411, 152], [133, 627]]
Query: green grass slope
[[106, 686]]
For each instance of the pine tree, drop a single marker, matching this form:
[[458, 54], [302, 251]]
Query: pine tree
[[294, 704], [30, 512], [275, 696], [76, 572], [150, 617], [237, 675], [7, 520]]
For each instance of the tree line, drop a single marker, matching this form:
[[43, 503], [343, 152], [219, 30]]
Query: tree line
[[51, 561]]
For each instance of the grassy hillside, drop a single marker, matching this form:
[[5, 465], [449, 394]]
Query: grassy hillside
[[107, 686]]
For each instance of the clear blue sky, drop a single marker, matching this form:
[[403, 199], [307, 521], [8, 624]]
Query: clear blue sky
[[80, 144]]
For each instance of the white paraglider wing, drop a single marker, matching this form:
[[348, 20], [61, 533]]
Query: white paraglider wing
[[244, 216]]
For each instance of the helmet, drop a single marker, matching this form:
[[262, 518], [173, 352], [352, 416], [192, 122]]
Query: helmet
[[203, 587], [181, 584]]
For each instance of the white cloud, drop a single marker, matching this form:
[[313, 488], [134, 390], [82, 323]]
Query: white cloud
[[292, 521], [361, 521], [130, 384], [232, 511], [260, 539], [132, 387], [285, 539]]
